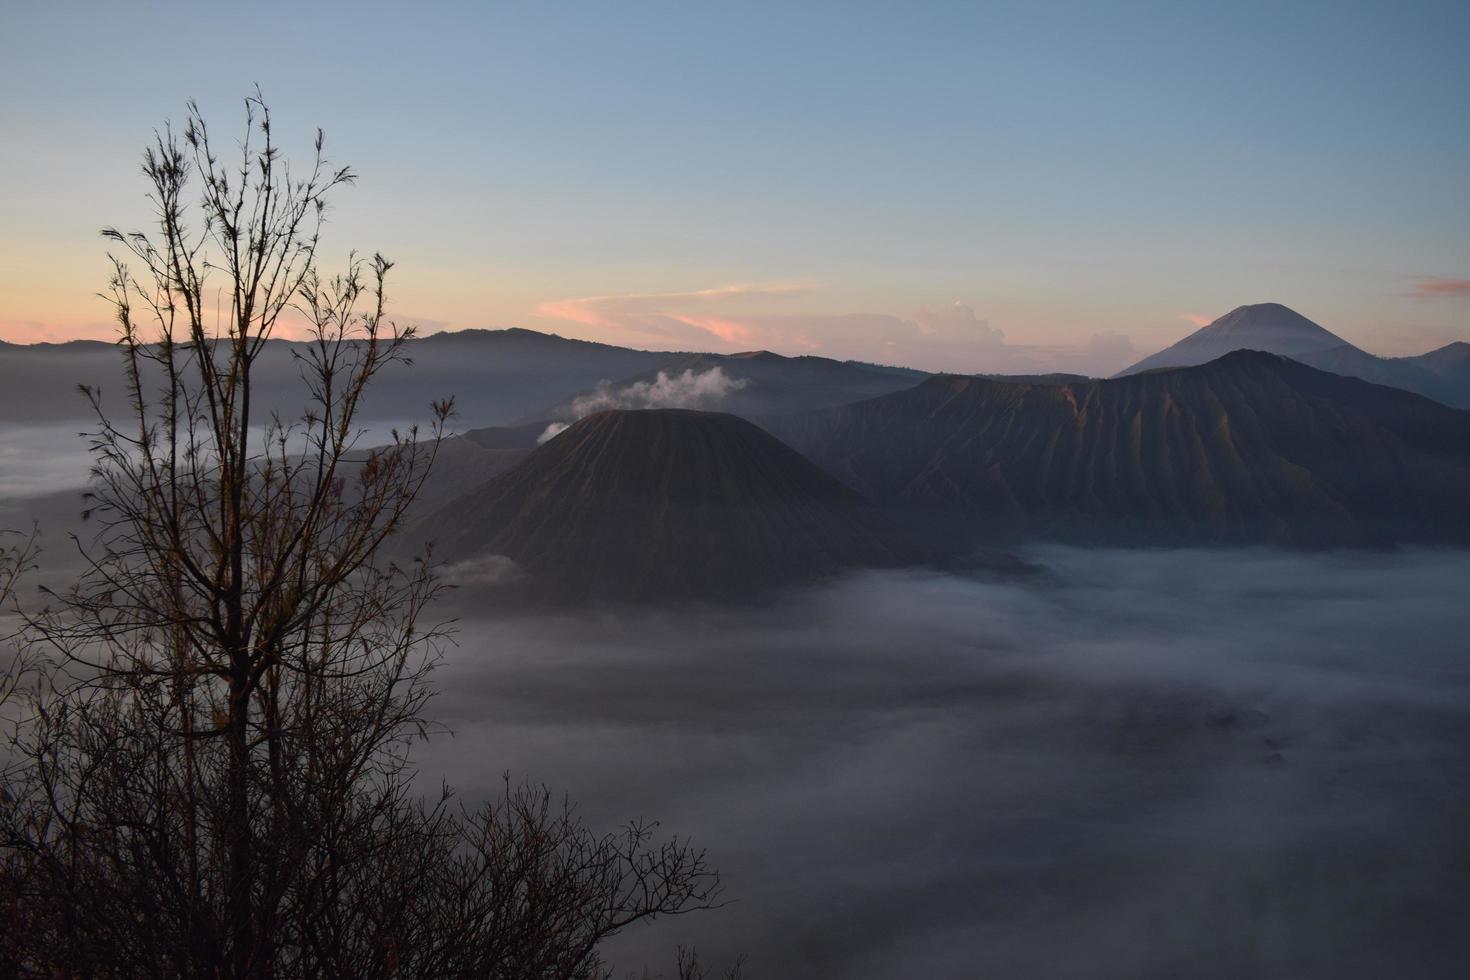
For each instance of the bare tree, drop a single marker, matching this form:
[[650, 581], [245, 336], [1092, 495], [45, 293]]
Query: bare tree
[[18, 554], [216, 782]]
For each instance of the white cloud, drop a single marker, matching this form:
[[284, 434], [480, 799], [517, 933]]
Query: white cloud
[[489, 570], [957, 322]]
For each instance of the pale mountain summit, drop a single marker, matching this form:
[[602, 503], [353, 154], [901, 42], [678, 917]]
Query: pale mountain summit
[[1269, 327], [1280, 330]]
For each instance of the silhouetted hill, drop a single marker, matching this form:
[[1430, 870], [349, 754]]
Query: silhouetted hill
[[1277, 329], [495, 376], [1451, 362], [662, 504], [1250, 447]]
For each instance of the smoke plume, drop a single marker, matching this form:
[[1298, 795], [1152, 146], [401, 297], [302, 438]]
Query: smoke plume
[[686, 390]]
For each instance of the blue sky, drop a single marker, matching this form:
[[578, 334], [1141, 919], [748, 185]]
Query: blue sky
[[983, 186]]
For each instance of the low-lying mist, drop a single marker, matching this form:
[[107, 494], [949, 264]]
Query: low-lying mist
[[1135, 764], [1242, 763]]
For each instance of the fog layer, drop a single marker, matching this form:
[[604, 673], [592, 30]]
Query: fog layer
[[1137, 764]]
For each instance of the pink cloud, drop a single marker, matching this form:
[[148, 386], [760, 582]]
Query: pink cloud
[[1442, 287], [583, 311], [730, 331], [951, 337], [693, 318], [1198, 319], [614, 310]]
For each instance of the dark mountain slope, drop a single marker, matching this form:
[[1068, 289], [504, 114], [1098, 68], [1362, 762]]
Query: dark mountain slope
[[1277, 329], [1250, 447], [507, 436], [662, 504], [1057, 378], [1396, 372], [460, 466]]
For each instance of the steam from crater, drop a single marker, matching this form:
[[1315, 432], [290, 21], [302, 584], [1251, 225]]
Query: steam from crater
[[685, 390]]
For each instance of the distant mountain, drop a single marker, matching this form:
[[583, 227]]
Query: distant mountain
[[1452, 362], [662, 504], [524, 436], [1269, 327], [495, 376], [39, 381], [1249, 447], [762, 383], [1277, 329]]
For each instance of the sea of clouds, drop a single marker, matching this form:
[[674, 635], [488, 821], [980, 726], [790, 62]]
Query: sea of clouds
[[1134, 764], [1128, 764]]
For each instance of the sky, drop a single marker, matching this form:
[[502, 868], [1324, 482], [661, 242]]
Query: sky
[[967, 186]]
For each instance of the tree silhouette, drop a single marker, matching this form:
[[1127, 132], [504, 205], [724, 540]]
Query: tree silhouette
[[213, 777]]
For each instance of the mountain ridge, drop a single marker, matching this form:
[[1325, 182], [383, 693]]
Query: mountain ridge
[[1251, 447]]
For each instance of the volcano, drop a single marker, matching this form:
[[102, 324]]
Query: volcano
[[663, 503], [1268, 327]]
